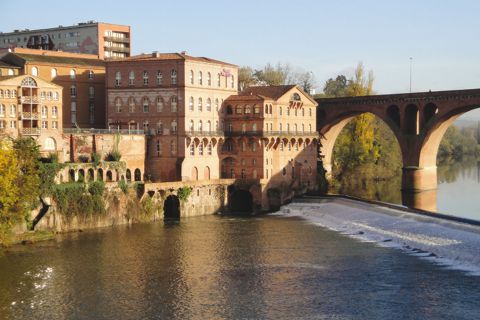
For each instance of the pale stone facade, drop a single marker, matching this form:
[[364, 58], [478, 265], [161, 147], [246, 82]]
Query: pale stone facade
[[30, 106]]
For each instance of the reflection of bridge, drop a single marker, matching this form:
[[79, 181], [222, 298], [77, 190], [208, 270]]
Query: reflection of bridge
[[418, 121]]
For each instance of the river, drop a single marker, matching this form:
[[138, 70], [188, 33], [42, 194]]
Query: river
[[267, 267], [457, 193]]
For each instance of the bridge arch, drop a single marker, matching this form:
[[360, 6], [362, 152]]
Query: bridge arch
[[240, 201], [171, 207]]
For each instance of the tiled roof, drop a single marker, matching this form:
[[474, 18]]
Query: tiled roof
[[59, 60], [172, 56], [245, 98], [271, 92], [7, 65]]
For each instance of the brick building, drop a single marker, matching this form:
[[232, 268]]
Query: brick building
[[103, 39], [82, 77], [176, 99]]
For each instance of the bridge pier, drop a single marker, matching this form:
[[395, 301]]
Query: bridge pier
[[415, 179]]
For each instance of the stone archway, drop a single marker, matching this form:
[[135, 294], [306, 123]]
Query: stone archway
[[241, 201], [171, 207]]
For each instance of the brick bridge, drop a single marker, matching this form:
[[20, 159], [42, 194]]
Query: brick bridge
[[418, 121]]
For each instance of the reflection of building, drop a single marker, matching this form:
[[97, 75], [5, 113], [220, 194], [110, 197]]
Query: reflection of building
[[176, 99], [103, 39], [30, 106], [82, 77]]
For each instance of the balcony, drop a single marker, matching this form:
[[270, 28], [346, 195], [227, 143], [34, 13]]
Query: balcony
[[117, 49], [31, 131], [102, 131], [205, 133], [29, 115], [117, 39], [29, 99]]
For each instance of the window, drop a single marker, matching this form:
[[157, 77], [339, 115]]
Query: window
[[218, 80], [192, 149], [248, 110], [303, 112], [209, 126], [54, 112], [159, 78], [238, 110], [14, 94], [310, 112], [279, 110], [90, 75], [230, 127], [145, 126], [200, 149], [2, 110], [73, 112], [288, 127], [173, 76], [191, 104], [256, 109], [200, 78], [73, 74], [145, 78], [217, 125], [53, 73], [118, 79], [34, 71], [200, 126], [200, 108], [10, 72], [173, 126], [91, 92], [310, 128], [146, 105], [118, 104], [13, 111], [159, 148], [192, 126], [44, 124], [280, 127], [244, 128], [44, 111], [288, 111], [131, 78], [244, 146], [55, 95], [209, 148], [254, 146], [91, 110], [173, 147], [209, 104], [131, 104], [54, 124], [73, 91], [1, 93], [295, 127], [254, 127], [216, 105], [191, 77], [13, 124], [296, 112], [281, 146], [209, 79], [233, 81], [159, 127], [159, 104], [173, 104], [303, 128], [7, 93]]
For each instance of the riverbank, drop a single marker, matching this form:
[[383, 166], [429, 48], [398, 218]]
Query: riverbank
[[447, 242]]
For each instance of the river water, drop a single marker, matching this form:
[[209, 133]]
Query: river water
[[215, 267], [457, 194]]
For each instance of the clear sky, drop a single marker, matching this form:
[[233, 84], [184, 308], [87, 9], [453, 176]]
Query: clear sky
[[325, 37]]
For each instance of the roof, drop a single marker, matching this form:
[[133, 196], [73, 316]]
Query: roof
[[271, 92], [172, 56], [47, 59], [4, 64], [274, 92], [245, 98], [16, 80]]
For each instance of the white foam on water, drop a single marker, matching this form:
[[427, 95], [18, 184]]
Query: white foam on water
[[449, 244]]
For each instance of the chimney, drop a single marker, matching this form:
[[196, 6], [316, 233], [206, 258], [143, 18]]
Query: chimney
[[155, 54], [183, 52]]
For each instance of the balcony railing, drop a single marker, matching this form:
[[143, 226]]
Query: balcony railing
[[29, 115], [250, 133], [117, 39], [102, 131], [204, 133], [29, 99], [31, 131], [117, 49]]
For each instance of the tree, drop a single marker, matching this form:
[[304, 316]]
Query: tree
[[9, 187], [245, 78], [336, 88], [306, 80]]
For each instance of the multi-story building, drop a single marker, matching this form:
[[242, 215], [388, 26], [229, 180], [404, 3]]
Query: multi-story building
[[82, 77], [176, 99], [103, 39], [270, 134], [30, 106]]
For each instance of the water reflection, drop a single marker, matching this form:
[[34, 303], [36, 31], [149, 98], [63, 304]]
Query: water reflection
[[457, 192]]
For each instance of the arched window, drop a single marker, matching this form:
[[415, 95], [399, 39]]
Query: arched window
[[13, 110], [146, 105], [1, 93], [200, 149], [145, 78], [50, 144], [173, 147], [192, 126], [303, 112], [288, 127], [288, 111], [131, 78], [254, 174], [303, 128], [310, 128], [209, 104], [145, 126], [53, 73], [159, 78], [2, 110], [209, 79], [280, 127], [91, 92], [233, 81], [131, 104], [248, 110], [200, 107], [192, 80], [244, 128], [200, 78], [218, 80], [279, 110], [216, 105], [200, 126], [209, 148], [254, 146], [73, 91], [173, 126], [192, 149], [73, 74], [44, 111], [7, 93], [173, 76], [256, 109], [159, 104], [295, 127], [310, 112], [173, 104], [54, 112], [229, 109], [239, 110], [191, 104], [159, 148], [90, 75], [209, 126], [254, 127]]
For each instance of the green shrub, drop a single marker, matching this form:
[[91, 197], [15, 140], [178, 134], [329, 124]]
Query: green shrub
[[74, 199], [113, 155], [183, 193], [95, 157], [96, 188], [123, 186]]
